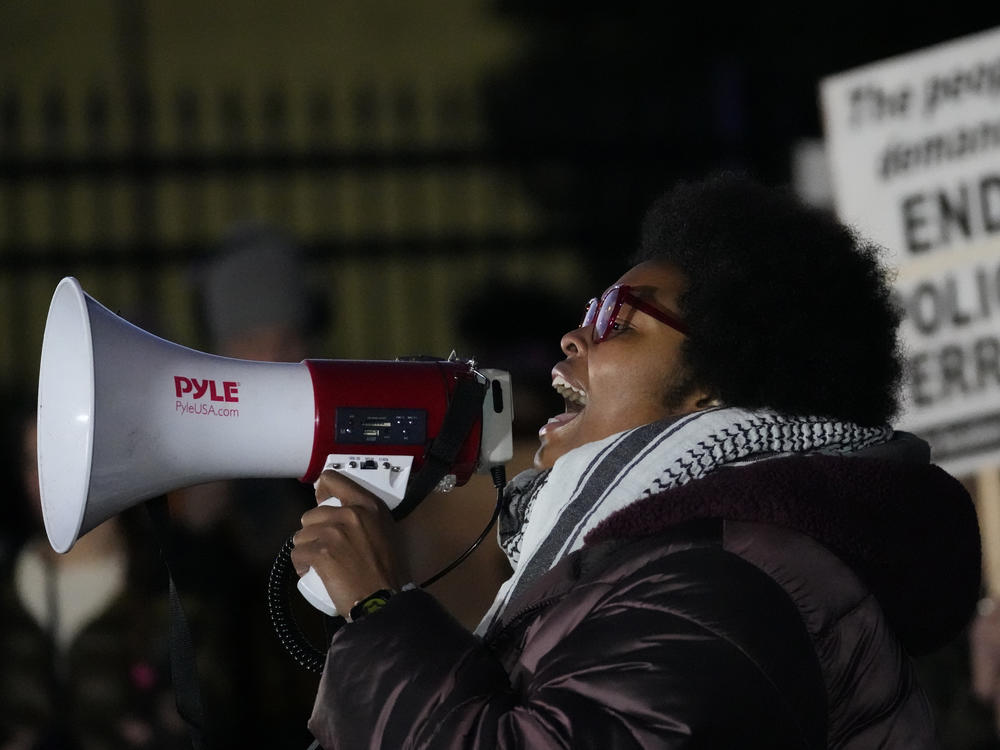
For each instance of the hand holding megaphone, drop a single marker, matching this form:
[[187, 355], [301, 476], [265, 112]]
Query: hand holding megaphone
[[354, 545], [312, 586]]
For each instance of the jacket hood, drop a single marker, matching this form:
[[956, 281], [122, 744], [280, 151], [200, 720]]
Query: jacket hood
[[906, 527]]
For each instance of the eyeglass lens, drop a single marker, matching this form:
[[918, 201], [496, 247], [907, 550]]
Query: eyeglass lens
[[606, 315]]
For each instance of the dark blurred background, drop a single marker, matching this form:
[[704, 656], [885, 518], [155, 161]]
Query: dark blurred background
[[416, 150], [456, 174]]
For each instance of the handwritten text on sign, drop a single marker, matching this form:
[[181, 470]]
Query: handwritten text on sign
[[914, 148]]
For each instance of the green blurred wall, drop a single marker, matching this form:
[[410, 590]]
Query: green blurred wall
[[388, 302]]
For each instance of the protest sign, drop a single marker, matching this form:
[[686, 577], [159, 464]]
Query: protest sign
[[914, 152]]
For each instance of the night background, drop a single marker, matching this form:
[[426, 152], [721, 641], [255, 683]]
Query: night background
[[453, 174], [436, 147]]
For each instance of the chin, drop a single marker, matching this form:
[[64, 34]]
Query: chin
[[548, 453], [542, 460]]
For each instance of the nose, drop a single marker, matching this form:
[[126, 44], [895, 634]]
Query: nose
[[575, 342]]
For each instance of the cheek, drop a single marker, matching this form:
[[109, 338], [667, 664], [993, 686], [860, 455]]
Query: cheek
[[645, 399], [641, 388]]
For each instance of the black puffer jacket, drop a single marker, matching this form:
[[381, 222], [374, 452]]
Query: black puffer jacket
[[768, 606]]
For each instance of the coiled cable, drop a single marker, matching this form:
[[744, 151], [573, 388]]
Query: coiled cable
[[280, 583]]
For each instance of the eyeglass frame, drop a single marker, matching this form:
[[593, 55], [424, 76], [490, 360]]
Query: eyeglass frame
[[626, 296]]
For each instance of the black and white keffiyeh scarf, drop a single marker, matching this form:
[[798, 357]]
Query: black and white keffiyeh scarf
[[548, 513]]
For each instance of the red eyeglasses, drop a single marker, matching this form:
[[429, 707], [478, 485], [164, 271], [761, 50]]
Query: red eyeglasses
[[603, 313]]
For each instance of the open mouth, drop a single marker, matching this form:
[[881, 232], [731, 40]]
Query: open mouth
[[575, 398]]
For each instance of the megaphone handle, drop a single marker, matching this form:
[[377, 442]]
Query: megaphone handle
[[383, 476], [311, 585]]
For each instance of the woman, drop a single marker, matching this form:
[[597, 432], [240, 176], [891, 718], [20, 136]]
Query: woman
[[723, 543]]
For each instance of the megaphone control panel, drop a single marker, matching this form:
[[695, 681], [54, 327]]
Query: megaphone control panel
[[381, 426]]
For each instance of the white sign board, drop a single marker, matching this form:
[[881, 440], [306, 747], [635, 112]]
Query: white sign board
[[914, 150]]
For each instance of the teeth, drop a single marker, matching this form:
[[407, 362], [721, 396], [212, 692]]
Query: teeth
[[570, 393]]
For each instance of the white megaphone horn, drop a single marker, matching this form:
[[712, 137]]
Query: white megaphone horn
[[124, 416]]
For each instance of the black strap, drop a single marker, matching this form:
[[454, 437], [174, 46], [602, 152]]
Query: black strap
[[465, 408], [183, 670]]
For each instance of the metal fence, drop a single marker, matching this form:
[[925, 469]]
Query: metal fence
[[400, 205]]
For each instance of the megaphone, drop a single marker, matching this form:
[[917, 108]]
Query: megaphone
[[124, 416]]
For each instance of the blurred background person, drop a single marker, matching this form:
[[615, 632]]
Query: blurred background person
[[964, 683], [82, 637], [253, 303], [17, 518]]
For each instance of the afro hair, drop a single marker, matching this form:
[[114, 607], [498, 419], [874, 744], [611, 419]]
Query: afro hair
[[788, 308]]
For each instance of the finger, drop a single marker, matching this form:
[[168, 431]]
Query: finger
[[350, 517], [318, 546], [303, 553], [334, 484], [304, 535], [344, 568], [302, 557], [312, 555]]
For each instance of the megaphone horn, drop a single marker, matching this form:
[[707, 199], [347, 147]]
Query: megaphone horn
[[124, 416], [118, 416]]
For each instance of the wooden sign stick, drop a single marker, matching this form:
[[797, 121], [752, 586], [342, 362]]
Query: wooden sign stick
[[988, 509]]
